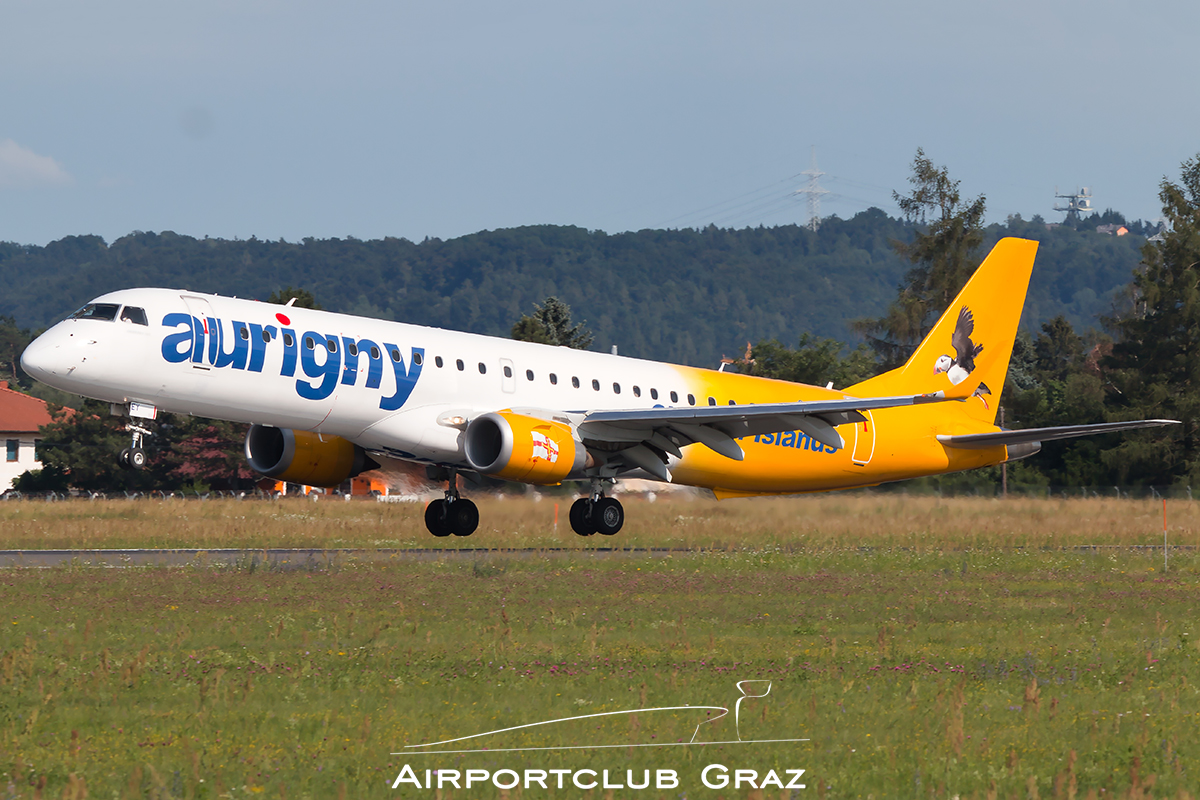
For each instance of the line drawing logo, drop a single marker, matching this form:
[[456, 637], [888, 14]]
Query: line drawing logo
[[745, 694]]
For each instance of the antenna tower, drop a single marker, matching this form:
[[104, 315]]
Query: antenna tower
[[1078, 203], [814, 191]]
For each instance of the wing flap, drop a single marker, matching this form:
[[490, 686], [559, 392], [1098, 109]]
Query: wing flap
[[718, 427]]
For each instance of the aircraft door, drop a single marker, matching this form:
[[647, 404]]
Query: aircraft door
[[864, 441], [199, 308], [508, 376]]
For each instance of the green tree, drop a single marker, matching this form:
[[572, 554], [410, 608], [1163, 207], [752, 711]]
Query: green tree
[[80, 448], [550, 323], [206, 453], [815, 361], [13, 341], [83, 445], [1053, 380], [303, 297], [944, 252], [1155, 362]]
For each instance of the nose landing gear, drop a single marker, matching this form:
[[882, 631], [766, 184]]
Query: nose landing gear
[[455, 514], [597, 513], [134, 456]]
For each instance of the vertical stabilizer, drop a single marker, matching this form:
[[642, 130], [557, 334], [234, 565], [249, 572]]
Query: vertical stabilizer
[[970, 345]]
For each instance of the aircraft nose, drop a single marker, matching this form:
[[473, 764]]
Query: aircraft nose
[[40, 357]]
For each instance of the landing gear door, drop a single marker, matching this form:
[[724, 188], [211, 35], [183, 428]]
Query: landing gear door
[[200, 310], [864, 440]]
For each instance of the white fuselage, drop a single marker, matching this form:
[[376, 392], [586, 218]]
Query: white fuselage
[[386, 386]]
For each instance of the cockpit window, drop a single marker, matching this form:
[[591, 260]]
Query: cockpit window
[[104, 311], [134, 314]]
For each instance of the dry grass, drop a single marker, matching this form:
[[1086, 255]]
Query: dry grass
[[817, 522], [906, 638]]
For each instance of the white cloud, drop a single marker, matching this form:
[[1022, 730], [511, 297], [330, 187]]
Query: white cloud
[[21, 167]]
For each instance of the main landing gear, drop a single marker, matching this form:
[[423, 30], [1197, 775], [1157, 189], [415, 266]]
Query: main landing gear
[[454, 515], [134, 456], [597, 513]]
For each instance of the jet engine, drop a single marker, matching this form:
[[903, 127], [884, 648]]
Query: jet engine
[[312, 459], [523, 448]]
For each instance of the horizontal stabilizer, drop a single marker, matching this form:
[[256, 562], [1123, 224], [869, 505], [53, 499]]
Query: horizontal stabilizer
[[979, 441]]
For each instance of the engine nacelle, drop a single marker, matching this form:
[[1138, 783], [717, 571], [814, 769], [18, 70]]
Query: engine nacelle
[[312, 459], [522, 448]]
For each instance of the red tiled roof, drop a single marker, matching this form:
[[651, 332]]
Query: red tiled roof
[[20, 413]]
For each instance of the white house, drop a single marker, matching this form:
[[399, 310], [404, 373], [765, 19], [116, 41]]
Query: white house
[[20, 417]]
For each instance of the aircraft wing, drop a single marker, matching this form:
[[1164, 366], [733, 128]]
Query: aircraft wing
[[979, 441], [651, 433]]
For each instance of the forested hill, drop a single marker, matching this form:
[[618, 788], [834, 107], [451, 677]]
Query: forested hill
[[681, 295]]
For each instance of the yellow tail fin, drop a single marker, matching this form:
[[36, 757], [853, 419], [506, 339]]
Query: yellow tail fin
[[967, 351]]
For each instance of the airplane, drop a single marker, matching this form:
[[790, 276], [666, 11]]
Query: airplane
[[329, 396]]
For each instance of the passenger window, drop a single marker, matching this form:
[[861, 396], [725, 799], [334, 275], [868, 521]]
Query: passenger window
[[396, 356], [575, 382], [674, 397], [691, 400], [418, 359], [459, 364], [374, 352], [331, 345], [102, 311], [288, 340], [616, 388], [309, 343], [482, 368], [138, 317], [266, 334], [732, 403], [528, 374], [654, 394], [438, 361], [553, 379], [243, 331], [637, 392], [507, 371], [712, 401], [352, 349], [595, 384]]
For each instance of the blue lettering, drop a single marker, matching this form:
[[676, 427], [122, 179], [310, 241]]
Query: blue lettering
[[236, 358], [350, 363], [258, 345], [327, 370], [214, 339], [199, 329], [767, 438], [375, 357], [788, 439], [171, 344], [289, 353], [806, 443], [406, 379]]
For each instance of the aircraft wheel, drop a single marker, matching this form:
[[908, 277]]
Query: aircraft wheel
[[137, 458], [123, 458], [581, 517], [462, 517], [435, 518], [608, 516]]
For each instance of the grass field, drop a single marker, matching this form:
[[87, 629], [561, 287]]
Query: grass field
[[923, 647]]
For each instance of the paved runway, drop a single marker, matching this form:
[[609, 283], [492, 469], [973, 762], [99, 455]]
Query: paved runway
[[294, 559]]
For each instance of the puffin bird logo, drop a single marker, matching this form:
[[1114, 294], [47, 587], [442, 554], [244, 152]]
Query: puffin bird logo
[[958, 368]]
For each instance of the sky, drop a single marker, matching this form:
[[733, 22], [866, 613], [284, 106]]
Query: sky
[[240, 118]]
